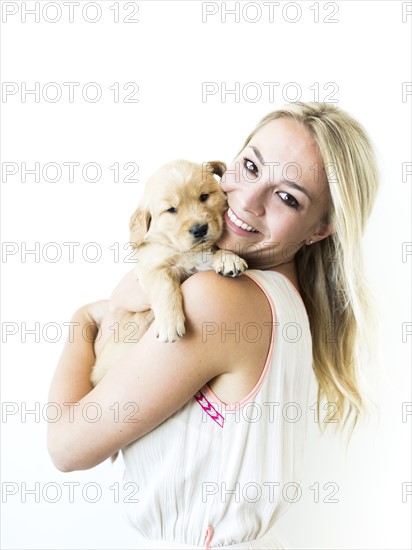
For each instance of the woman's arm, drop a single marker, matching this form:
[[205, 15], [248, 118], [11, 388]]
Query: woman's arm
[[71, 379], [127, 298], [153, 379]]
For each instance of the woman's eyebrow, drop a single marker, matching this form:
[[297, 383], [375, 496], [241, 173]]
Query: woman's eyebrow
[[298, 187], [257, 153]]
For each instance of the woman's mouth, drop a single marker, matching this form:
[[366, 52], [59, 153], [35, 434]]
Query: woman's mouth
[[238, 225]]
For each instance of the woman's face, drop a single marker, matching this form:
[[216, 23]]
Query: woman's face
[[277, 194]]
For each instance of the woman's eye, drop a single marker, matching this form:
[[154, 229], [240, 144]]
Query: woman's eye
[[289, 199], [204, 197], [172, 210], [250, 166]]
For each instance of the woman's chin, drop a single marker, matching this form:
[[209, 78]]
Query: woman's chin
[[238, 243]]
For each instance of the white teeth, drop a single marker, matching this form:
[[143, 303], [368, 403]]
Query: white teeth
[[239, 223]]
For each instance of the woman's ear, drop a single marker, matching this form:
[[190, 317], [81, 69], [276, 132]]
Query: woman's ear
[[322, 231], [139, 225], [216, 167]]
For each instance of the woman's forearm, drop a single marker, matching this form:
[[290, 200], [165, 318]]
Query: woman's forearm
[[90, 328], [71, 380]]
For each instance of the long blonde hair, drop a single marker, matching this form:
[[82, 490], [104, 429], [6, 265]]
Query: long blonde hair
[[330, 271]]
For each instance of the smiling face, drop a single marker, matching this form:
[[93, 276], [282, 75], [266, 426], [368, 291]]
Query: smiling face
[[278, 195]]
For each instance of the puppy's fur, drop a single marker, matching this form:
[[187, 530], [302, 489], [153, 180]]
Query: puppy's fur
[[173, 231]]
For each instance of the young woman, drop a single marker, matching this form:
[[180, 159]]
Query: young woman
[[212, 427]]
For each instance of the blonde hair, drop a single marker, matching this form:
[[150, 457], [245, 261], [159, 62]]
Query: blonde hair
[[330, 271]]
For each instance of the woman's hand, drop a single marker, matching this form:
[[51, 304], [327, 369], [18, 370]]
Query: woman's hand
[[128, 295], [95, 311], [127, 298]]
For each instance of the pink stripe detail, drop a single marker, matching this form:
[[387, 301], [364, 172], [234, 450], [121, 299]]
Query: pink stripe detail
[[209, 408], [259, 384], [208, 537]]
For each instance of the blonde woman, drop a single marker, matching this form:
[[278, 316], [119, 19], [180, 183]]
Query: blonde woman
[[212, 427]]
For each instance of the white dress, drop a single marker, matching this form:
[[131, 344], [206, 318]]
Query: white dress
[[219, 476]]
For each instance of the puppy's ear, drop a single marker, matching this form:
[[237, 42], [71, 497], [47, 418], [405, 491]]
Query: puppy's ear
[[216, 167], [139, 225]]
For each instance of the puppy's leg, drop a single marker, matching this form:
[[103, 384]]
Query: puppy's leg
[[163, 288], [228, 263]]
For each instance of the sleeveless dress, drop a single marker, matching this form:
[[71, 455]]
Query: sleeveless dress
[[216, 475]]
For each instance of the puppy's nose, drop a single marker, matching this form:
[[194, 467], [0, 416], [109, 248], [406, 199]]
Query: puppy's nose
[[198, 231]]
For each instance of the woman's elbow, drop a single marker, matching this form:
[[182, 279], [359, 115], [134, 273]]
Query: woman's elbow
[[62, 457], [57, 452], [60, 460], [63, 466], [67, 456]]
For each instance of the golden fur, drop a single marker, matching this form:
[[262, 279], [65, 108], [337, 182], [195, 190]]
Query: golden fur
[[173, 230]]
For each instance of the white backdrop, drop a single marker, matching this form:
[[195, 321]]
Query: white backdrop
[[165, 56]]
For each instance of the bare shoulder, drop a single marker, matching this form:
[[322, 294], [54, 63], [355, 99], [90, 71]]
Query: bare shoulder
[[226, 296], [233, 315]]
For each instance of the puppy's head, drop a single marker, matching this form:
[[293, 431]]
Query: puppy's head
[[183, 206]]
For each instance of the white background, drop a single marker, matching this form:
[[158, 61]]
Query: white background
[[169, 53]]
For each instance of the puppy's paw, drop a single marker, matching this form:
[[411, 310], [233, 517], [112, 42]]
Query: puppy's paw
[[228, 263], [170, 331]]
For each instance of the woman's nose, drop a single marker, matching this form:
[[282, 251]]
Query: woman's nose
[[251, 199]]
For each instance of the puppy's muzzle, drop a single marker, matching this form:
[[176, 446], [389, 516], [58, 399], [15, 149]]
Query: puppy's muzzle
[[199, 231]]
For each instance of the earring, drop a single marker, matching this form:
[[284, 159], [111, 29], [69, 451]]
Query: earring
[[310, 242]]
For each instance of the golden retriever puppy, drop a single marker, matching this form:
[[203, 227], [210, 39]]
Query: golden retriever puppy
[[174, 231]]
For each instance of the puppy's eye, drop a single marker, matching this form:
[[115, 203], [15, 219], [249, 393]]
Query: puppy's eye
[[203, 197], [172, 210]]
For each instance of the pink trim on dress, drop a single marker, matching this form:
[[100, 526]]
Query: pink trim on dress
[[208, 537], [232, 406], [209, 408]]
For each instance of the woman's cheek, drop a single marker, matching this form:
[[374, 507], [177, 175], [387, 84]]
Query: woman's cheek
[[231, 178], [226, 184]]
